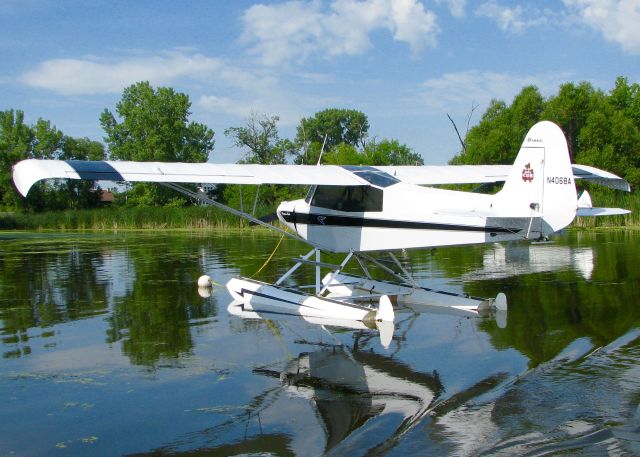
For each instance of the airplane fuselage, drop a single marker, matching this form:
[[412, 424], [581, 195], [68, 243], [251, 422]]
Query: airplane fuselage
[[397, 216]]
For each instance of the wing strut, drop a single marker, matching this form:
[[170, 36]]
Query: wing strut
[[242, 214], [405, 279]]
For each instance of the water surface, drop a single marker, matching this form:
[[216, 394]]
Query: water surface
[[108, 349]]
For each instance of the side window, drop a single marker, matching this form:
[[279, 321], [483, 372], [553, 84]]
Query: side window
[[331, 197], [356, 199]]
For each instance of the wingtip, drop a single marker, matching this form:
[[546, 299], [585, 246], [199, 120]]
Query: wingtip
[[23, 177]]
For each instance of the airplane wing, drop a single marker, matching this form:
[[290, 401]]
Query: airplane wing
[[601, 177], [476, 174], [447, 174], [28, 172]]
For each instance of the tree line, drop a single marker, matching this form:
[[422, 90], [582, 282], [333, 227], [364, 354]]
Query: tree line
[[602, 129], [152, 124], [19, 141]]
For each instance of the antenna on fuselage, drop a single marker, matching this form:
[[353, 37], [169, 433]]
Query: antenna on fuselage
[[322, 149]]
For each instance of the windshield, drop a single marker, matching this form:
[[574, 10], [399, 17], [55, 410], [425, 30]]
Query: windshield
[[372, 175]]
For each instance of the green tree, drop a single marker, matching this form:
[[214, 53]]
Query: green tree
[[525, 110], [624, 145], [626, 98], [47, 141], [391, 152], [488, 139], [19, 141], [337, 126], [497, 138], [344, 154], [155, 127], [570, 109], [79, 194], [260, 140], [81, 149], [602, 129], [610, 140], [384, 152], [262, 144], [16, 140]]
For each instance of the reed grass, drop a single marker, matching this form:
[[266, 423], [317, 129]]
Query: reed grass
[[207, 217], [115, 218]]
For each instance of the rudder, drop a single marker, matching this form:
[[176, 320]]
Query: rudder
[[540, 184]]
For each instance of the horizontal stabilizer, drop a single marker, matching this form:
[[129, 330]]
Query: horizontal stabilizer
[[601, 212], [586, 209]]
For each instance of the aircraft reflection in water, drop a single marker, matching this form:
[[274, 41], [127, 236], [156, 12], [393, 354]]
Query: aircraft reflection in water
[[326, 396], [515, 259], [343, 391], [343, 399]]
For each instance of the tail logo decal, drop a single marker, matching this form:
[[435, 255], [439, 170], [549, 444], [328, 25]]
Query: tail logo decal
[[527, 173]]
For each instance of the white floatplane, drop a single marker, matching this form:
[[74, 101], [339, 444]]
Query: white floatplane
[[358, 210]]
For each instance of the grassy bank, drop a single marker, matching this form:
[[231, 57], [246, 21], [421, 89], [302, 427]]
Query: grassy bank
[[204, 217], [123, 218]]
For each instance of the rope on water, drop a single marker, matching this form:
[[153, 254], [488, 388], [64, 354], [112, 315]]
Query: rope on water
[[268, 259]]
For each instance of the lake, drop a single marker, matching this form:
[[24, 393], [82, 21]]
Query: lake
[[108, 348]]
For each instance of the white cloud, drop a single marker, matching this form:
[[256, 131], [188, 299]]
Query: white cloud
[[213, 103], [456, 92], [223, 88], [316, 78], [617, 20], [513, 19], [95, 75], [456, 7], [295, 30], [289, 105]]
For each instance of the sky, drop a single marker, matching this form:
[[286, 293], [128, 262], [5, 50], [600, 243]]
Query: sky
[[406, 64]]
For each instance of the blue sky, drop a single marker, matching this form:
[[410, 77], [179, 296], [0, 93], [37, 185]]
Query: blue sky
[[404, 63]]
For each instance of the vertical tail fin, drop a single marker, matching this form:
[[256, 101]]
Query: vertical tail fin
[[540, 184]]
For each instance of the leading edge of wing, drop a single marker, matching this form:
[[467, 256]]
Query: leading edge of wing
[[27, 172]]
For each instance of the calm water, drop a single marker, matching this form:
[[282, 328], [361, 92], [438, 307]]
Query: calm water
[[108, 349]]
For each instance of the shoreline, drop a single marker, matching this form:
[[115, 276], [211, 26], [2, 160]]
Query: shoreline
[[213, 219]]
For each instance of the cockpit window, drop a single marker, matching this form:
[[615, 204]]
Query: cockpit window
[[357, 199], [372, 175]]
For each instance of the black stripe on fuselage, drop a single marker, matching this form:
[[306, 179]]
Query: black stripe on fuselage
[[351, 221]]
